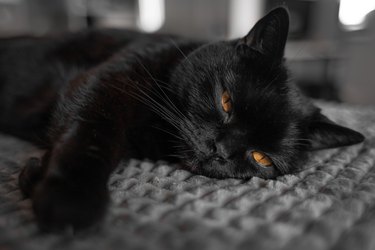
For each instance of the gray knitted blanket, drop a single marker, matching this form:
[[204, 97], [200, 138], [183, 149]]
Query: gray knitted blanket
[[330, 204]]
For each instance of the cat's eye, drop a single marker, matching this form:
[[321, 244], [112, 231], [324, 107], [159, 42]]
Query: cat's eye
[[261, 158], [226, 102]]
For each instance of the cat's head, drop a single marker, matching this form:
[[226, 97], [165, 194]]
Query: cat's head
[[241, 116]]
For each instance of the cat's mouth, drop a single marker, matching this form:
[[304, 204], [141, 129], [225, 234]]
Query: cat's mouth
[[216, 158]]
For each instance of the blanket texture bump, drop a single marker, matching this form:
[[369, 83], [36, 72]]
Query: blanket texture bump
[[329, 204]]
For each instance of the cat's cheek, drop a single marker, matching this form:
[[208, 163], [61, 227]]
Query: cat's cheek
[[267, 172]]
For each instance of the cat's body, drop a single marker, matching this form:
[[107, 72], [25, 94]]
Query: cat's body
[[34, 70], [223, 109]]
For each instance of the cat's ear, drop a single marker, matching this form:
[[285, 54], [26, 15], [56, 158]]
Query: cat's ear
[[269, 34], [324, 133]]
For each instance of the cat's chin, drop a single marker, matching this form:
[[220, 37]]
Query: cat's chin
[[216, 167]]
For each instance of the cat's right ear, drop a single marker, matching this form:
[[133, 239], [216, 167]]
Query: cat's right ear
[[269, 34], [324, 133]]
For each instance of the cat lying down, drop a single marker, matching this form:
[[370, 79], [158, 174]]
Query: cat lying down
[[221, 109]]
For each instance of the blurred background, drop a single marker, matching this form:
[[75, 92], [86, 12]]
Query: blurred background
[[331, 47]]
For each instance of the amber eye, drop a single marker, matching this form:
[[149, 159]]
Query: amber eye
[[261, 159], [226, 102]]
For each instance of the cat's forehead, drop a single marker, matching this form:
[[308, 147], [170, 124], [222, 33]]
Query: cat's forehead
[[219, 66], [250, 81], [215, 54], [224, 59]]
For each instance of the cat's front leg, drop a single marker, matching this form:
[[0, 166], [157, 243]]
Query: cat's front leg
[[72, 192]]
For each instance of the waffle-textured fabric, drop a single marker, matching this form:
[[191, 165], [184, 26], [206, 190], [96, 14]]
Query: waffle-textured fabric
[[329, 204]]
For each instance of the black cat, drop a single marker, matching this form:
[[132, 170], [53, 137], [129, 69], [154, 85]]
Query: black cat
[[224, 109]]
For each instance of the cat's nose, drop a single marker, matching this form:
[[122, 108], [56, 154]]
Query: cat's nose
[[225, 148]]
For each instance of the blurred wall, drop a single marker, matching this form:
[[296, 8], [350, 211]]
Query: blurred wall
[[197, 18], [326, 60], [357, 71]]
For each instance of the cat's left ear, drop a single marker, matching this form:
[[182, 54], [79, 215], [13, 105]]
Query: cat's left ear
[[324, 133], [269, 34]]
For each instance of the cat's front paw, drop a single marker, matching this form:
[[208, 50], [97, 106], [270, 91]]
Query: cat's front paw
[[30, 175], [60, 205]]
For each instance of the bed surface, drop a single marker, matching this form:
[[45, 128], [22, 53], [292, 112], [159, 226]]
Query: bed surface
[[330, 204]]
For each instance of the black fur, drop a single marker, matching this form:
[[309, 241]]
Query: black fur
[[117, 94]]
